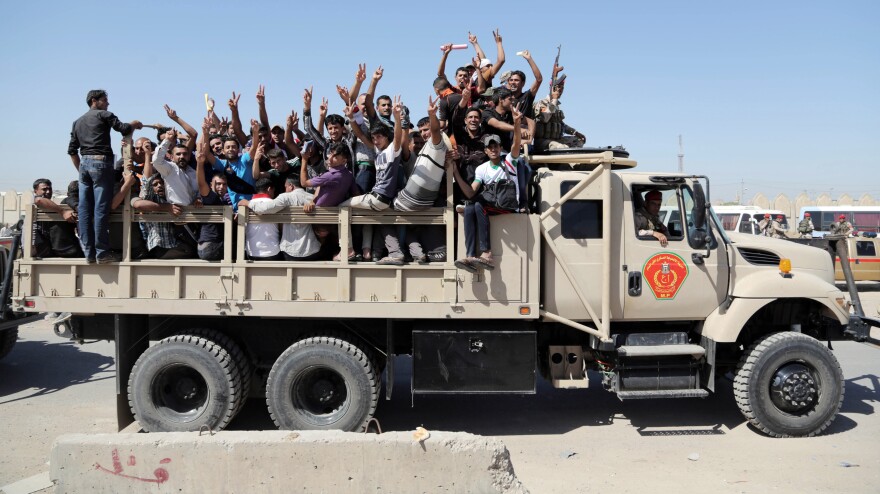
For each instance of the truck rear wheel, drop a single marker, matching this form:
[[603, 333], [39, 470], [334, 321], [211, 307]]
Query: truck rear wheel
[[183, 383], [8, 338], [245, 370], [789, 385], [322, 383]]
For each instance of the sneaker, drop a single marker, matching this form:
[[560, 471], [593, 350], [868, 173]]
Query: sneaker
[[459, 208], [110, 257], [391, 261], [422, 259], [90, 260]]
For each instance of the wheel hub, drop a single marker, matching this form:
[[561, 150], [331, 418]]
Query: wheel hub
[[794, 389]]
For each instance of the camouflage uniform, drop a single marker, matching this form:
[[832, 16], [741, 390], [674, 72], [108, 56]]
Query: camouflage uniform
[[841, 227], [777, 229], [550, 127], [647, 224], [805, 228], [765, 227]]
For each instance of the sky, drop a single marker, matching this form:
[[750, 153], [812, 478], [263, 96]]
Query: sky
[[771, 97]]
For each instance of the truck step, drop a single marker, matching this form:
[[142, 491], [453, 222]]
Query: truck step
[[662, 393], [696, 351]]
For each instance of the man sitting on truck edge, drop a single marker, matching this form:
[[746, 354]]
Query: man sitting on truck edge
[[298, 240], [262, 240], [476, 216], [161, 237], [54, 238], [647, 218]]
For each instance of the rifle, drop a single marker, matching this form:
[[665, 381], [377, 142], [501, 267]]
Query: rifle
[[555, 64]]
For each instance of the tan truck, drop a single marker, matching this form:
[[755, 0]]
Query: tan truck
[[576, 288]]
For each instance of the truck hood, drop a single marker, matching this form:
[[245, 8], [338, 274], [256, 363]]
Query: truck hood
[[804, 258]]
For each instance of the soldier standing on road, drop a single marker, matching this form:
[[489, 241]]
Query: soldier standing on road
[[841, 226], [778, 228], [805, 227]]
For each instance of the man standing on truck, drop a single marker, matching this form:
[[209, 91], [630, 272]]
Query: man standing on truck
[[92, 156], [841, 226], [805, 227], [647, 218], [778, 229]]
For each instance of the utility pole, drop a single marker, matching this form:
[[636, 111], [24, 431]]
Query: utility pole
[[742, 191], [680, 155]]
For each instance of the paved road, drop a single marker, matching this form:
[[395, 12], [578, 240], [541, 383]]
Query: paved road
[[559, 440]]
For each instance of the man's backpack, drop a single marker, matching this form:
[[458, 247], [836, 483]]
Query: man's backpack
[[804, 226]]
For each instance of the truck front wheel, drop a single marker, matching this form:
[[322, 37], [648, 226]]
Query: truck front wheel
[[183, 383], [322, 383], [789, 385]]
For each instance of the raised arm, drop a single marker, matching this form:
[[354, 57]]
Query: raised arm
[[304, 166], [203, 140], [190, 131], [322, 115], [261, 103], [359, 77], [434, 121], [148, 158], [398, 129], [441, 70], [371, 93], [500, 61], [256, 140], [236, 120], [517, 136], [355, 128], [292, 147], [539, 79], [480, 54], [128, 181], [307, 118], [258, 155], [202, 153]]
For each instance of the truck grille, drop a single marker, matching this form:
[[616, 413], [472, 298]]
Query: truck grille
[[760, 257]]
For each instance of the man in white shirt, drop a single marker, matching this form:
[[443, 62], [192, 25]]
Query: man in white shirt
[[298, 240], [262, 239], [181, 183]]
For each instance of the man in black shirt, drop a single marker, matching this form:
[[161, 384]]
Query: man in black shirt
[[90, 139], [499, 120]]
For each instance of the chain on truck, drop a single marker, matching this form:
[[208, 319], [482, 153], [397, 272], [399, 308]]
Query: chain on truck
[[575, 289]]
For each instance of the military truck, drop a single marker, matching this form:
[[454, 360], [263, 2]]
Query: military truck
[[575, 288]]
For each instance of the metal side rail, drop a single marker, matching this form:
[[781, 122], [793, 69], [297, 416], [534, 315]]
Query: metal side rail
[[14, 323], [662, 393]]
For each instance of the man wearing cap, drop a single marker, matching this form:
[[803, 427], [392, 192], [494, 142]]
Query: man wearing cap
[[805, 227], [778, 228], [90, 138], [765, 226], [550, 128], [647, 218], [476, 216], [841, 226]]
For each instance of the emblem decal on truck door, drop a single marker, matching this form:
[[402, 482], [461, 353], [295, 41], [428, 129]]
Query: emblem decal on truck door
[[665, 273]]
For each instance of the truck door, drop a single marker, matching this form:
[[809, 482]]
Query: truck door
[[664, 282]]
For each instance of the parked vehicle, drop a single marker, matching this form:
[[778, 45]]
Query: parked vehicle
[[575, 287]]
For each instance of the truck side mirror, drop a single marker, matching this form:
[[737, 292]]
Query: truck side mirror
[[699, 206]]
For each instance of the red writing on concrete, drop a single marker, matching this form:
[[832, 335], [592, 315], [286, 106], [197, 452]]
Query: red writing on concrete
[[160, 474]]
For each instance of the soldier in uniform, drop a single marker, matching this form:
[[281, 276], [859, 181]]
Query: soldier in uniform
[[805, 227], [777, 228], [647, 218], [765, 226], [841, 226]]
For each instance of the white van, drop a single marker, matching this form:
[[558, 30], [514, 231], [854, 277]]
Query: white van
[[745, 219]]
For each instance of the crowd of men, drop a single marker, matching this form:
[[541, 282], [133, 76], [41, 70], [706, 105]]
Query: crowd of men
[[372, 157]]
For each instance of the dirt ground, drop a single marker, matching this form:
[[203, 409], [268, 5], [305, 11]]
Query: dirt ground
[[559, 440]]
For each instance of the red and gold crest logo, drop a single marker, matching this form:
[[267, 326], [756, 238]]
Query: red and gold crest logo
[[665, 273]]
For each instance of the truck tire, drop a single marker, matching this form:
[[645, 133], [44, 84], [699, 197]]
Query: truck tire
[[789, 385], [183, 383], [322, 383], [245, 370], [8, 338]]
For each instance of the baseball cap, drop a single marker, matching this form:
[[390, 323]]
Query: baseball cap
[[779, 216], [485, 63], [653, 195], [842, 217], [488, 93], [806, 215], [277, 126], [489, 139], [505, 76], [766, 215]]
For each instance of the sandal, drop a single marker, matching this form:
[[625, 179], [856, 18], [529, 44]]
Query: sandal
[[484, 263], [466, 265], [351, 258]]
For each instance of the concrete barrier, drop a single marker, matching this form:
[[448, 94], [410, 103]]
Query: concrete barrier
[[282, 461]]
